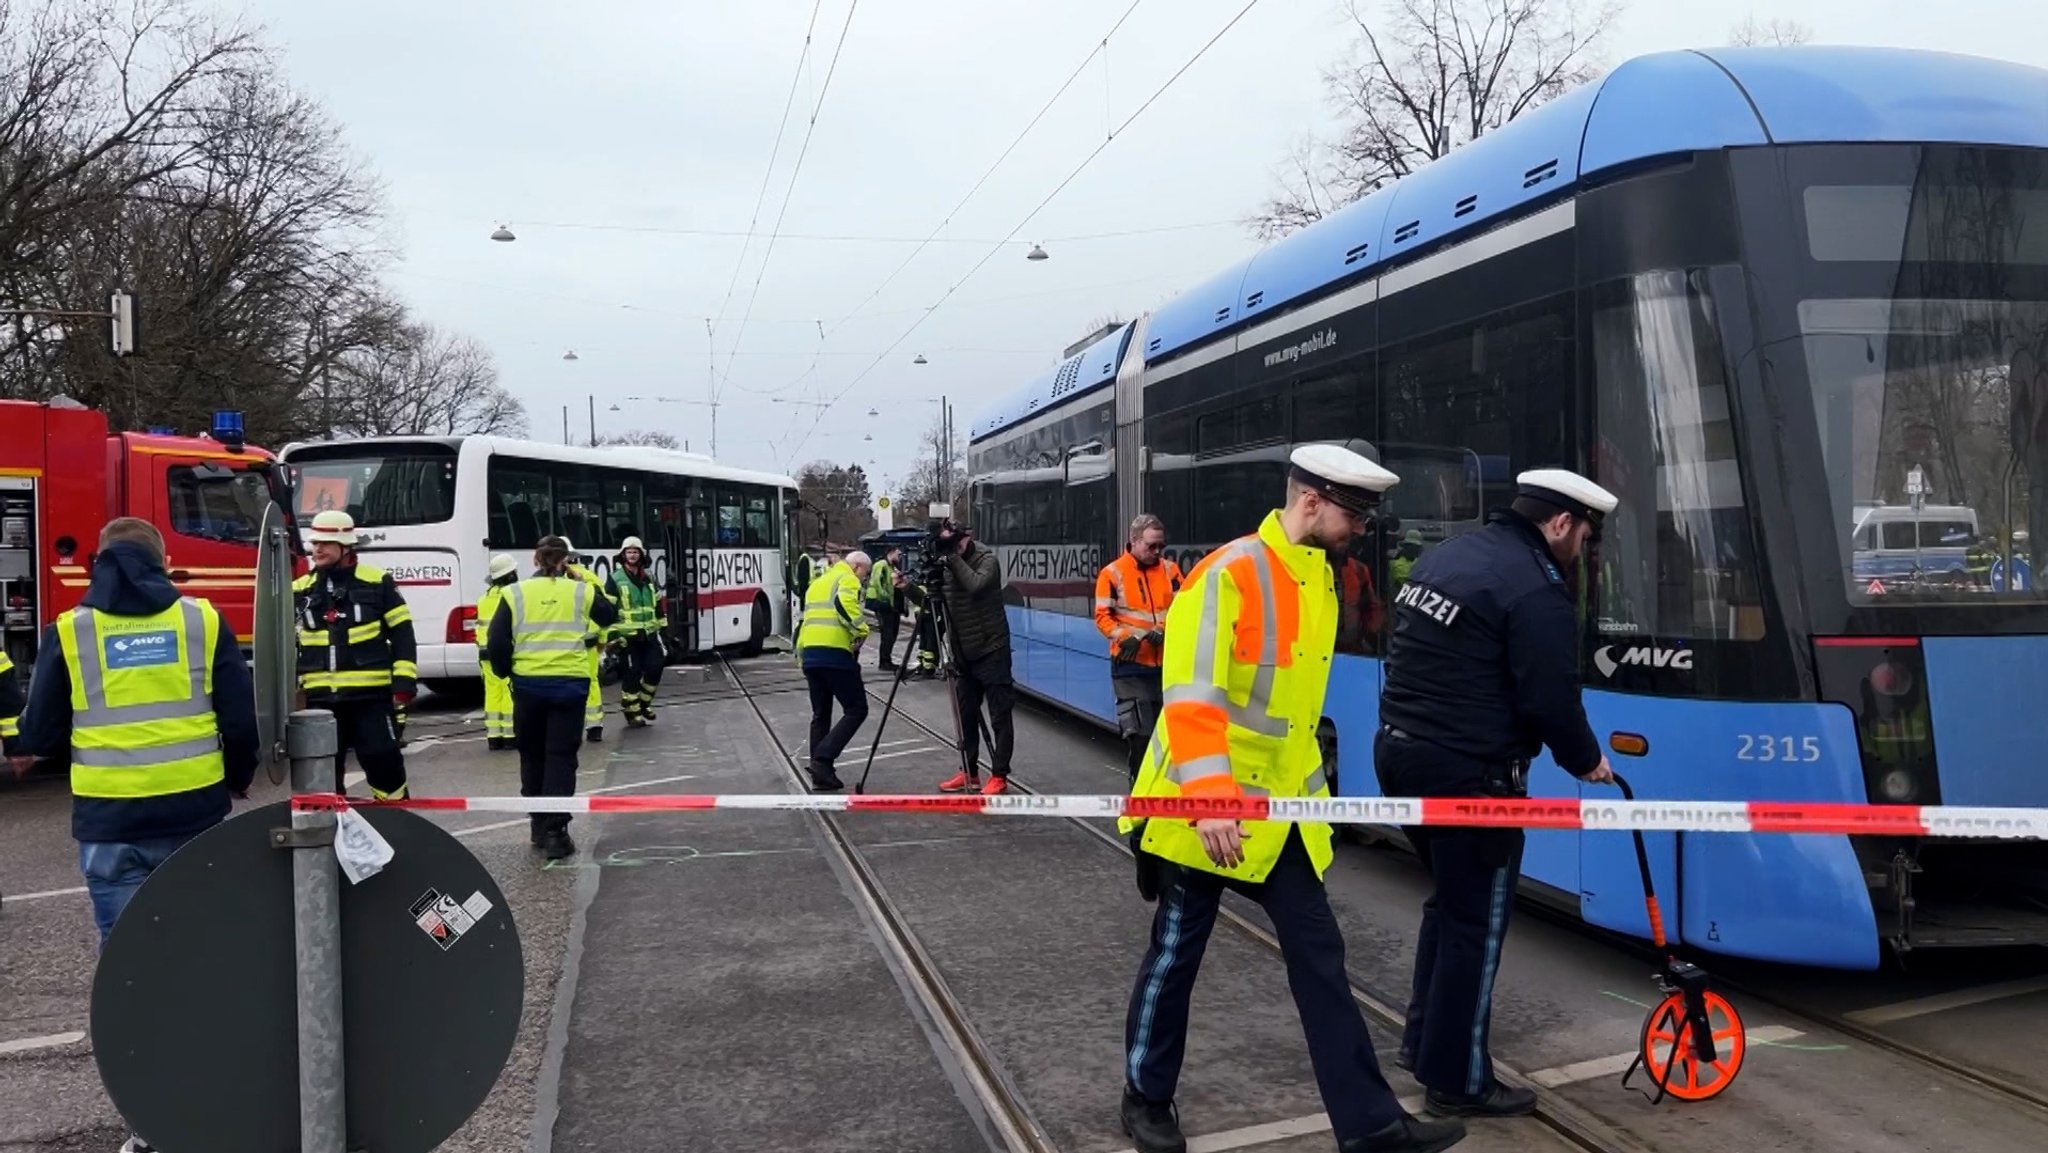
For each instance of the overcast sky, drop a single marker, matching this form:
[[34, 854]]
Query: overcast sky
[[600, 131]]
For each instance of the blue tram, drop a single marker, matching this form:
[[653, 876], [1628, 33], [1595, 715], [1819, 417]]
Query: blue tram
[[1791, 304]]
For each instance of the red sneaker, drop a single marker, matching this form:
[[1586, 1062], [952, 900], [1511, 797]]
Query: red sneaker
[[958, 783], [996, 785]]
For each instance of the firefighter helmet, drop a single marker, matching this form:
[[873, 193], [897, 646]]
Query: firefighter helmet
[[503, 566], [632, 542], [335, 526]]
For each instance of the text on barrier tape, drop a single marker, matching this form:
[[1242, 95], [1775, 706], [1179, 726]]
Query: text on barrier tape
[[1519, 813]]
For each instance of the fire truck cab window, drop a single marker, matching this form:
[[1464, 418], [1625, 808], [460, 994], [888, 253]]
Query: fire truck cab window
[[218, 505]]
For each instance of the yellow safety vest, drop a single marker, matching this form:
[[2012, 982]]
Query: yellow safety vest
[[10, 727], [832, 617], [486, 609], [550, 619], [1248, 644], [142, 722], [590, 578]]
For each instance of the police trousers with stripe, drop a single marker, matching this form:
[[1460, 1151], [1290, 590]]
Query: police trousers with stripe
[[1464, 920], [1354, 1091]]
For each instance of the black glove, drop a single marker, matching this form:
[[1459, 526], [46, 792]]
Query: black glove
[[1149, 871], [1157, 638], [1127, 647]]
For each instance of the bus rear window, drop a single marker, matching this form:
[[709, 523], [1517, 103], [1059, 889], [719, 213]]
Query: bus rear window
[[383, 490]]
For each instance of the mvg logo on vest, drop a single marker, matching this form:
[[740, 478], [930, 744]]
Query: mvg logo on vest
[[140, 650], [1642, 656]]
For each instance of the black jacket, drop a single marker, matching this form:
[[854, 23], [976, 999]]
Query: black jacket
[[126, 581], [332, 602], [1484, 659], [975, 613]]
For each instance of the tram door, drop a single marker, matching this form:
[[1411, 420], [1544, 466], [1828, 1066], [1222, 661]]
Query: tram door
[[678, 529]]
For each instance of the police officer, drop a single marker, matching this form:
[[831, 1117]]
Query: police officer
[[829, 648], [1132, 594], [1482, 671], [1248, 646], [497, 690], [540, 637], [638, 633], [357, 655]]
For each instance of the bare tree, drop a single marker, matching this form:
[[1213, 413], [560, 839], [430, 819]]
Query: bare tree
[[645, 437], [1774, 31], [1438, 73], [430, 383], [927, 481]]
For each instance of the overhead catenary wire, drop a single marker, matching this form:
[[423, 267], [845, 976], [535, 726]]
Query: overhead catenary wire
[[990, 255], [767, 173], [824, 90], [955, 210]]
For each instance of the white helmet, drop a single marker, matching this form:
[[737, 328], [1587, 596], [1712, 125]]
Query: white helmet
[[632, 542], [334, 526], [503, 566]]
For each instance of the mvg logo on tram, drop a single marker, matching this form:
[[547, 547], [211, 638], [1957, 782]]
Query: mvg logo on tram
[[1642, 656]]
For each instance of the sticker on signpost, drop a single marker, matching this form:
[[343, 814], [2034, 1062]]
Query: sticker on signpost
[[444, 920]]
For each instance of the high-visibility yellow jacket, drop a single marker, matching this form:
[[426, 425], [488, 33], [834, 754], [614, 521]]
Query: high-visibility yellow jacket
[[1248, 646], [142, 721], [832, 617], [551, 616]]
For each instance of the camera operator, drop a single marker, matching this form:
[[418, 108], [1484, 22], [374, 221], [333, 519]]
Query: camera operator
[[969, 581]]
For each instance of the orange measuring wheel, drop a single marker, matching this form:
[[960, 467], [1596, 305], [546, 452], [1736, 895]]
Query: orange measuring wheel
[[1692, 1043], [1671, 1052]]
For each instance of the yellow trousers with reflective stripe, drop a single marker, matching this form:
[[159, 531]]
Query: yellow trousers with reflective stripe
[[497, 704], [593, 710]]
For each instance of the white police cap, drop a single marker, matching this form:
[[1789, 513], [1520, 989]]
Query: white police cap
[[1568, 491], [1341, 475]]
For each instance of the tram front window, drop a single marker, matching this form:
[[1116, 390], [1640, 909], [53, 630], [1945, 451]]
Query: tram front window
[[1934, 431]]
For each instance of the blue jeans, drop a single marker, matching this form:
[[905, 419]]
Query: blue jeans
[[115, 869]]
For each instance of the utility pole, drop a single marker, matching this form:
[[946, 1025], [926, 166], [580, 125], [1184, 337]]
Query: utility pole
[[593, 418], [711, 384]]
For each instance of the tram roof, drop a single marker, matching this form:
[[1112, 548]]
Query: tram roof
[[1659, 105]]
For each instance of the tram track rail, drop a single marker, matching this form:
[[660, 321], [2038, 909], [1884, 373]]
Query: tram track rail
[[1000, 1099], [1575, 1125]]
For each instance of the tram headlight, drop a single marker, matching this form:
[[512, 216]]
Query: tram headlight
[[1891, 679], [1898, 786]]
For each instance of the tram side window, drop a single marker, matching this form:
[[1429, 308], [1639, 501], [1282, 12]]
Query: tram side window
[[1466, 410], [579, 512], [1676, 558], [1169, 491], [521, 506], [623, 513]]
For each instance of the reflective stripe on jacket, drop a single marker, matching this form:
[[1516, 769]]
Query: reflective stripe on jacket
[[636, 603], [1131, 600], [832, 617], [550, 621], [142, 722], [1248, 646], [355, 633]]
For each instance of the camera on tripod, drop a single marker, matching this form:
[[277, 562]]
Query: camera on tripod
[[941, 539]]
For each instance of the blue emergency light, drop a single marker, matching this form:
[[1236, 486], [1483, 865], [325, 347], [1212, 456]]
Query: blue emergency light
[[227, 428], [162, 430]]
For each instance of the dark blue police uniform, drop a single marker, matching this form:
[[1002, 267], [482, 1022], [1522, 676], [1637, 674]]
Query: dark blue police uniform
[[1481, 670]]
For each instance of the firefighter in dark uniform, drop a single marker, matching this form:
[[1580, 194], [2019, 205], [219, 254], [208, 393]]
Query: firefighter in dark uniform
[[1481, 672], [357, 655]]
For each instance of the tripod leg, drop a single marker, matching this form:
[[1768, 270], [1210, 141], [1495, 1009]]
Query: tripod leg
[[895, 682]]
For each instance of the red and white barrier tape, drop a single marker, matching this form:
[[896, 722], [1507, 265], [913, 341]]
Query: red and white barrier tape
[[1530, 813]]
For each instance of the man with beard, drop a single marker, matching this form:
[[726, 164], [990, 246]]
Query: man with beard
[[1247, 659]]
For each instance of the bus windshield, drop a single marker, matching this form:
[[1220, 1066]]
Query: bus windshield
[[412, 484]]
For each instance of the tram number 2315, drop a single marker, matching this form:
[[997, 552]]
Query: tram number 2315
[[1765, 747]]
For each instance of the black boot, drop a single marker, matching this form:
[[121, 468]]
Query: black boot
[[824, 778], [594, 734], [556, 845], [1499, 1101], [1408, 1135], [1154, 1126]]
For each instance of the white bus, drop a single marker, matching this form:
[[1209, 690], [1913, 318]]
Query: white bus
[[432, 510]]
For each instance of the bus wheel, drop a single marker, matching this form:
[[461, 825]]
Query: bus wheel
[[759, 633]]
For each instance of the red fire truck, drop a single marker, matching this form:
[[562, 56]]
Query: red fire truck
[[63, 476]]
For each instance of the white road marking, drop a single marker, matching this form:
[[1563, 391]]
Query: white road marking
[[1961, 998], [642, 784], [29, 1044], [1614, 1066], [12, 898], [897, 753], [493, 827]]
